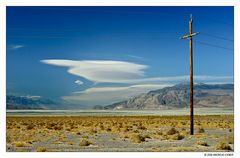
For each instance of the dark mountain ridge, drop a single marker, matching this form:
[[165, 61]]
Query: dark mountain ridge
[[205, 95]]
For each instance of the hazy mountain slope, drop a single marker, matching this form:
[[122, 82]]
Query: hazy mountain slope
[[27, 102], [220, 95]]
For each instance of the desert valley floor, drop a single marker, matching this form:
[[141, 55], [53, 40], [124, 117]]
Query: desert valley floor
[[119, 133]]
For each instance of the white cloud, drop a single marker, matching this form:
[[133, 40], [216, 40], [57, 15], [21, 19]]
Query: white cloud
[[99, 71], [32, 97], [15, 46], [102, 70], [134, 56], [78, 82], [108, 95]]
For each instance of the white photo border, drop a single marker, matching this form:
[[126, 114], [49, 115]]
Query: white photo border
[[4, 3]]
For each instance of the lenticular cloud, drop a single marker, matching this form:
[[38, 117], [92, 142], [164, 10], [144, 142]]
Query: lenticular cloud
[[102, 70]]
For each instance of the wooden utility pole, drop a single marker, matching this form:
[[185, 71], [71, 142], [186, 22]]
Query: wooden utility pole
[[189, 36]]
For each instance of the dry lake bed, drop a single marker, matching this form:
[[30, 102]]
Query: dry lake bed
[[118, 133]]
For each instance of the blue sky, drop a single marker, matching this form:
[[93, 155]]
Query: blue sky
[[100, 55]]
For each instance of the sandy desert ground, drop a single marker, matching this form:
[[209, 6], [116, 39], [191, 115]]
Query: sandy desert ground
[[118, 133]]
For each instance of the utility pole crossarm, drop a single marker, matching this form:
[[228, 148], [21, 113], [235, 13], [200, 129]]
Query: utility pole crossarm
[[190, 35]]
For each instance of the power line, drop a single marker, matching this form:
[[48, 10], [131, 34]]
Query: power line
[[217, 37], [124, 32], [213, 45], [218, 21], [151, 38], [128, 37]]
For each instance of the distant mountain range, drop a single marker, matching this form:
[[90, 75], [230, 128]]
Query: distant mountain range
[[29, 102], [38, 103], [219, 95]]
